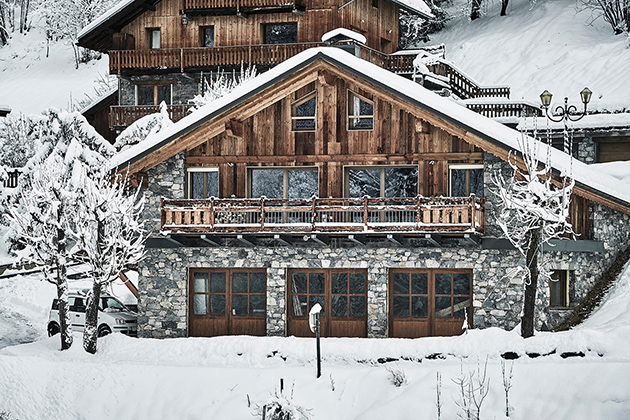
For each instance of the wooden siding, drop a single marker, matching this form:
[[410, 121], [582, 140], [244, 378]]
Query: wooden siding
[[320, 16]]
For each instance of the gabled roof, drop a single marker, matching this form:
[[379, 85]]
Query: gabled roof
[[474, 128], [97, 34]]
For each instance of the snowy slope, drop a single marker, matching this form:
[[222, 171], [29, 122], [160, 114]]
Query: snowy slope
[[541, 45]]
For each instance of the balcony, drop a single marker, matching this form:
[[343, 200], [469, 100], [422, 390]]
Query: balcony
[[218, 7], [417, 215], [121, 116]]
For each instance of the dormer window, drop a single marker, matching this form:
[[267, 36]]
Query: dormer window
[[280, 33], [360, 112], [155, 38], [303, 112]]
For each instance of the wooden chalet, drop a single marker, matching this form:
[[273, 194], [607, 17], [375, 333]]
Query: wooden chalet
[[330, 180]]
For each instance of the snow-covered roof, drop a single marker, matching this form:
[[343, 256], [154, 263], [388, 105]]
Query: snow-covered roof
[[589, 122], [496, 134], [343, 33], [416, 6], [118, 7], [97, 101]]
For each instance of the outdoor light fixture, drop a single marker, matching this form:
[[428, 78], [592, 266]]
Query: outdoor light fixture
[[565, 112]]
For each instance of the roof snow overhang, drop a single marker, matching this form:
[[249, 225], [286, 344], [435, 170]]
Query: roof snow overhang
[[306, 67]]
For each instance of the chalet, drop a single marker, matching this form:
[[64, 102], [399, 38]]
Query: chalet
[[331, 180]]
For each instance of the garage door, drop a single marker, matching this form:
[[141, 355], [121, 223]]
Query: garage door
[[341, 293], [227, 302], [424, 303]]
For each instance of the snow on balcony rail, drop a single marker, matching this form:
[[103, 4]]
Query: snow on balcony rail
[[332, 215]]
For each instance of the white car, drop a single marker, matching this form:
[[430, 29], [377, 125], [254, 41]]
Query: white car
[[113, 315]]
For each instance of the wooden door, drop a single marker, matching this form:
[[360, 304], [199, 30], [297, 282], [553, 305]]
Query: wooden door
[[227, 302], [342, 295], [424, 303]]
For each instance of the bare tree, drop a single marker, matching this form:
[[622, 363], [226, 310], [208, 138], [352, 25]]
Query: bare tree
[[507, 385], [615, 12], [532, 212]]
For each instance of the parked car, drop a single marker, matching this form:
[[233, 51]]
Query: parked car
[[113, 315]]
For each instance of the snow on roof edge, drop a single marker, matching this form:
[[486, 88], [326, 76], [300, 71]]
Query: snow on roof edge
[[102, 18], [495, 132], [344, 32]]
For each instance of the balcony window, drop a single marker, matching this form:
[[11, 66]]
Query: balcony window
[[559, 289], [153, 94], [360, 112], [303, 113], [280, 33], [466, 180], [207, 36], [386, 182], [288, 183], [203, 182], [155, 39]]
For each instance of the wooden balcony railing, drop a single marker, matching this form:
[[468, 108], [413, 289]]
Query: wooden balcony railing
[[505, 109], [448, 215], [124, 115], [465, 87], [184, 59], [236, 4]]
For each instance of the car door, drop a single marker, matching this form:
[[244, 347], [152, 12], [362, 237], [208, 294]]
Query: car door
[[77, 313]]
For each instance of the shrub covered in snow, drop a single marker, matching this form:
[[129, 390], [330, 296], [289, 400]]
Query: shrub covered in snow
[[143, 128]]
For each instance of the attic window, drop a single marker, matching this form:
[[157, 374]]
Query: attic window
[[203, 182], [303, 113], [360, 112], [559, 289]]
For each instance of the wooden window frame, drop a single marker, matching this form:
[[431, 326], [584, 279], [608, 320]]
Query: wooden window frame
[[156, 96], [150, 32], [202, 36], [563, 283], [205, 170], [382, 168], [460, 166], [285, 177], [351, 117], [295, 118]]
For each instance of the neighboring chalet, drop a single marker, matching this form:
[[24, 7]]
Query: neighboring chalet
[[331, 180]]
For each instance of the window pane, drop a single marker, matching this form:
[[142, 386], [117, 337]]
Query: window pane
[[442, 306], [461, 284], [443, 283], [217, 304], [239, 282], [257, 283], [476, 182], [196, 187], [200, 282], [339, 283], [316, 283], [145, 95], [302, 183], [339, 306], [298, 282], [267, 182], [401, 306], [419, 306], [256, 305], [200, 305], [164, 94], [401, 182], [419, 283], [401, 283], [212, 187], [364, 182], [458, 182], [557, 290], [155, 39], [281, 33], [357, 283], [239, 304], [313, 299], [357, 107], [304, 125], [298, 306], [306, 108], [217, 282], [357, 306], [461, 306], [208, 37]]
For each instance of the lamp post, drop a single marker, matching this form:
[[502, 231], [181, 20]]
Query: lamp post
[[565, 112], [313, 321]]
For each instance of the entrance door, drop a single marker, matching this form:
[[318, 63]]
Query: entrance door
[[424, 303], [342, 295], [227, 302]]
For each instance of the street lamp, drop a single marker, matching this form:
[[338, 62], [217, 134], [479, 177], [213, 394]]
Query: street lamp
[[566, 112]]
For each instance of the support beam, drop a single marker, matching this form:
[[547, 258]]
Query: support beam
[[234, 128], [247, 239], [242, 14], [433, 239], [472, 239], [358, 239], [396, 239], [320, 239], [176, 240], [297, 11], [212, 240], [283, 239]]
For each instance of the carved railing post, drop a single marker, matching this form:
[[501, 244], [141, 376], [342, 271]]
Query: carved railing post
[[262, 213], [211, 214], [313, 213], [365, 212], [473, 209]]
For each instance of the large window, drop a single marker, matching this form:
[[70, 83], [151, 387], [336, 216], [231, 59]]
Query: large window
[[203, 182], [280, 33], [388, 182], [303, 113], [285, 183], [559, 289], [206, 35], [466, 180], [153, 94], [360, 112]]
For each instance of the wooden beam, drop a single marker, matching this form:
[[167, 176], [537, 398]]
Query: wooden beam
[[433, 239], [358, 239], [234, 128], [212, 240], [247, 239], [326, 78], [396, 239], [472, 239], [283, 239], [320, 239]]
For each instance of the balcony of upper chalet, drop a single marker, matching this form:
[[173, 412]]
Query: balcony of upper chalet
[[241, 7]]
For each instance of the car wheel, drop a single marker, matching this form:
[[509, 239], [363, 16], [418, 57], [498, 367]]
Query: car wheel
[[53, 328], [103, 330]]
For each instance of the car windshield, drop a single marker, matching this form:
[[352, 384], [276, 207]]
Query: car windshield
[[109, 304]]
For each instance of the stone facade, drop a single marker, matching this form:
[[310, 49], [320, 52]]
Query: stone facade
[[184, 86], [497, 282]]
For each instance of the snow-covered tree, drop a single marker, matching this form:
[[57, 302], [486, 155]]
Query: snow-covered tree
[[221, 85], [534, 208], [19, 140], [109, 236], [415, 29], [615, 12], [143, 128]]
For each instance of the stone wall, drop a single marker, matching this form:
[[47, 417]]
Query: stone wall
[[185, 86], [166, 180]]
